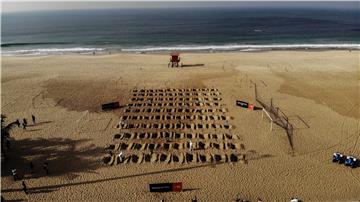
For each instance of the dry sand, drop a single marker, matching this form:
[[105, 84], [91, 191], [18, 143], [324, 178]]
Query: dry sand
[[319, 91]]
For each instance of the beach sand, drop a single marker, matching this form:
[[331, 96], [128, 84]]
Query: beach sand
[[318, 91]]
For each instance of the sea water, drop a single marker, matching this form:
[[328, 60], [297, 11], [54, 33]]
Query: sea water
[[182, 29]]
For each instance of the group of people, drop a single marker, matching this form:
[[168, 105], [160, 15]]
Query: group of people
[[16, 177], [24, 124]]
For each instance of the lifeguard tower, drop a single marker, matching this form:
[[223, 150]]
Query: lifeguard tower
[[174, 60]]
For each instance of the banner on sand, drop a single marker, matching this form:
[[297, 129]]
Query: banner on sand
[[110, 106], [166, 187]]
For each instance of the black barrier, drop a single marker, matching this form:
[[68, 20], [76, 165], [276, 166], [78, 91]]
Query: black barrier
[[162, 187], [242, 104], [247, 105], [166, 187], [257, 108], [110, 106]]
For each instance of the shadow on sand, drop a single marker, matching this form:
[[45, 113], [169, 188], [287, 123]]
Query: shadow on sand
[[64, 156], [57, 186], [193, 65]]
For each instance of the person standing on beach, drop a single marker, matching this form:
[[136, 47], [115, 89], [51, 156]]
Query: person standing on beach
[[17, 123], [24, 188], [14, 174], [24, 121], [121, 156], [33, 119], [24, 126]]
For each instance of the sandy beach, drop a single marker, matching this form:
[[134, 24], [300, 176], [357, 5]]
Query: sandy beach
[[319, 91]]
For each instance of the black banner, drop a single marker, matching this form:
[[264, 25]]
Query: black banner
[[166, 187], [161, 187], [109, 106], [242, 104]]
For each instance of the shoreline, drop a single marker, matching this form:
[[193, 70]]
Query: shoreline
[[103, 53], [86, 50]]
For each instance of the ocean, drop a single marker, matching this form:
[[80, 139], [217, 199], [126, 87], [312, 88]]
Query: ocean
[[181, 29]]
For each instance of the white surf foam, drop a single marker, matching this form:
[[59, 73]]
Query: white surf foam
[[244, 47], [206, 48], [46, 51]]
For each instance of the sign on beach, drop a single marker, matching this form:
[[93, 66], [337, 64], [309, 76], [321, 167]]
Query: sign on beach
[[246, 105], [166, 187], [110, 106]]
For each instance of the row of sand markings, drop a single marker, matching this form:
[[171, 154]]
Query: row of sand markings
[[142, 95], [199, 145], [191, 126], [175, 110], [173, 135], [175, 99], [175, 104], [180, 158], [176, 117], [175, 90]]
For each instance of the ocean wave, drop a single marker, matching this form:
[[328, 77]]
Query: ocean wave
[[46, 51], [204, 48], [244, 47]]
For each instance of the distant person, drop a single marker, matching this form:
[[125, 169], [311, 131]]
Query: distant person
[[24, 188], [24, 126], [24, 121], [18, 123], [190, 145], [46, 168], [33, 119], [14, 174], [31, 167], [121, 156]]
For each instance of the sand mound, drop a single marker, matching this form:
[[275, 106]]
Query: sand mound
[[124, 146], [136, 158], [109, 160], [178, 146], [233, 158], [118, 136], [166, 146], [178, 158], [190, 158], [165, 158], [154, 158], [202, 158], [110, 147], [147, 157], [217, 158]]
